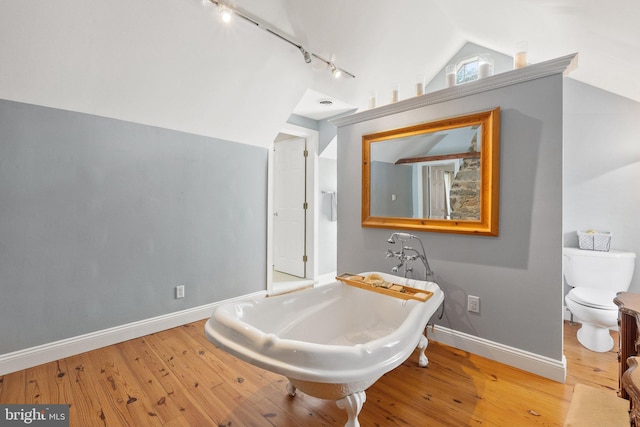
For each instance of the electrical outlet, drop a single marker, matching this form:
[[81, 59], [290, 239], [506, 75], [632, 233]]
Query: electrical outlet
[[179, 291], [473, 304]]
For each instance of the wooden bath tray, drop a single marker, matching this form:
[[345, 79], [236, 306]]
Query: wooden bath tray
[[393, 290]]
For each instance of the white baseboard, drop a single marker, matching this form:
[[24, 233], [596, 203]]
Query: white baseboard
[[540, 365], [325, 279], [34, 356]]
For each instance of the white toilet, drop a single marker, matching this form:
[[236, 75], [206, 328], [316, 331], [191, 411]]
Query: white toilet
[[596, 278]]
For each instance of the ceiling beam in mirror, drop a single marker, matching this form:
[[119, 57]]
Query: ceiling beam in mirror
[[467, 155], [440, 176]]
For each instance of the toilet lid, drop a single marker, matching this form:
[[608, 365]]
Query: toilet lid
[[596, 298]]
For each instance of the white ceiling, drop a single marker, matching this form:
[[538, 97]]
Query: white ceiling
[[172, 63], [318, 106]]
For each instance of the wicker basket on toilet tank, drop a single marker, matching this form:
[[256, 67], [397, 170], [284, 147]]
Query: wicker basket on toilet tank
[[594, 241]]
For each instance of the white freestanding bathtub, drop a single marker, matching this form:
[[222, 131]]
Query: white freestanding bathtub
[[331, 342]]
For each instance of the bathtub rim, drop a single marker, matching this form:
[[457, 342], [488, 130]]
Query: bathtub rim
[[416, 320]]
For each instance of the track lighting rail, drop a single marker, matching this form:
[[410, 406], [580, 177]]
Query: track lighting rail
[[337, 72]]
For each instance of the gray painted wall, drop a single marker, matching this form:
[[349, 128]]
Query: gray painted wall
[[328, 131], [517, 275], [304, 122], [100, 219], [602, 167], [389, 180]]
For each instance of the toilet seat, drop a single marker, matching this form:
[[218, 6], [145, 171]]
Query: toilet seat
[[600, 299]]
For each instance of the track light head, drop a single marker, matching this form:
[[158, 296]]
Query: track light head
[[337, 72], [225, 12], [306, 55]]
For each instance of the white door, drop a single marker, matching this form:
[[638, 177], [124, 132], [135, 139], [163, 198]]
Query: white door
[[289, 176]]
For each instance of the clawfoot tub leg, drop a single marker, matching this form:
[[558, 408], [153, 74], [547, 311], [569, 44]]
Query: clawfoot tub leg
[[291, 389], [352, 404], [422, 346]]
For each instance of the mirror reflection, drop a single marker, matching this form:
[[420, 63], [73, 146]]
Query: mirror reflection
[[430, 175], [439, 176]]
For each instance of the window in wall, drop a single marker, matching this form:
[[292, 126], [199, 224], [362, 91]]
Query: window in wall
[[467, 70]]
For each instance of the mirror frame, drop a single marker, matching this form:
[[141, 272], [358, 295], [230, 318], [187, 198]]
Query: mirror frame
[[487, 225]]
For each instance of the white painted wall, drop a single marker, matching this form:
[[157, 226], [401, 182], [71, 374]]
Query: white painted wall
[[327, 229], [167, 64], [602, 167]]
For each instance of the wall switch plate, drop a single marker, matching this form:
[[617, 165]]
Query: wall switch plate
[[473, 304], [179, 291]]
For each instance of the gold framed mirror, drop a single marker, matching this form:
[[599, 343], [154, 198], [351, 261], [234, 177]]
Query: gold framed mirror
[[439, 176]]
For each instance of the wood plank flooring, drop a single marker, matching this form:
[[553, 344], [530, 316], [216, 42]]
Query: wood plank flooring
[[176, 378]]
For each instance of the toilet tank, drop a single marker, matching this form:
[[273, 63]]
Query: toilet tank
[[611, 270]]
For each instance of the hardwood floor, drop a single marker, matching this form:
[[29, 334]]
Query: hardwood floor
[[177, 378]]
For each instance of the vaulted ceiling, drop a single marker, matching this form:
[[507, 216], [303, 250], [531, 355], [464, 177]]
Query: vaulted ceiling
[[174, 64]]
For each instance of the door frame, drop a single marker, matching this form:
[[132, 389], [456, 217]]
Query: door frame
[[312, 199]]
